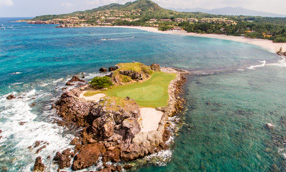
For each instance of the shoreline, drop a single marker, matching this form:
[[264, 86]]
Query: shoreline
[[269, 45], [119, 132]]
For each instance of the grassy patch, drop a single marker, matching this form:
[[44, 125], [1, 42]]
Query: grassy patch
[[151, 93]]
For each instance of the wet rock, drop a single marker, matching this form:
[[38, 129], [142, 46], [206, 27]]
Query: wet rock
[[112, 69], [111, 168], [10, 97], [76, 79], [39, 166], [69, 84], [155, 67], [269, 126], [112, 155], [63, 159], [37, 143], [102, 70], [40, 149], [88, 156], [127, 167], [75, 141], [22, 123]]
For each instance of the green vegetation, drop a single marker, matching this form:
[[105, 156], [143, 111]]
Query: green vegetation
[[101, 82], [140, 68], [116, 103], [151, 93], [148, 13], [279, 39], [136, 66]]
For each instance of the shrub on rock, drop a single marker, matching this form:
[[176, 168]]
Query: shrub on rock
[[101, 82]]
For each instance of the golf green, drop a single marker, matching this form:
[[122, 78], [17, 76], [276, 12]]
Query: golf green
[[151, 93]]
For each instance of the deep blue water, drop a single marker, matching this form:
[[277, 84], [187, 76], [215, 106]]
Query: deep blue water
[[226, 112]]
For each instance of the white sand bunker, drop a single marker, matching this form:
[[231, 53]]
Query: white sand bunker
[[95, 98], [150, 119]]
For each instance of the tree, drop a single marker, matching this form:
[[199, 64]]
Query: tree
[[101, 82]]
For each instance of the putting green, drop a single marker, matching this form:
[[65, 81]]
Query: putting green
[[151, 93]]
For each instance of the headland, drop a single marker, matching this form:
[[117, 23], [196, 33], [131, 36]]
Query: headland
[[120, 117]]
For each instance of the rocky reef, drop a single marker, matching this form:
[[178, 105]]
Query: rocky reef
[[110, 128]]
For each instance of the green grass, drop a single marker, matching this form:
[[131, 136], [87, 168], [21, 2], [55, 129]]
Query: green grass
[[151, 93]]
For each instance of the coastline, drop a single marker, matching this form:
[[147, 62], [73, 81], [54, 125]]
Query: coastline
[[127, 134], [263, 43]]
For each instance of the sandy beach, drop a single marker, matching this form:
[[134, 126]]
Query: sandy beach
[[264, 43], [95, 98], [150, 119]]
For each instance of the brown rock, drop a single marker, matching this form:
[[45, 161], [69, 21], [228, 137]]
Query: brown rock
[[102, 70], [10, 97], [0, 131], [75, 141], [111, 168], [112, 69], [269, 126], [39, 166], [37, 143], [112, 155], [127, 167], [88, 156], [63, 159], [76, 79], [40, 149], [155, 67], [33, 104], [22, 123], [69, 84]]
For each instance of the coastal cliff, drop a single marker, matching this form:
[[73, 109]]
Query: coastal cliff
[[114, 128]]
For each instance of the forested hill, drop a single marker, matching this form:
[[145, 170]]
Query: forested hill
[[148, 13]]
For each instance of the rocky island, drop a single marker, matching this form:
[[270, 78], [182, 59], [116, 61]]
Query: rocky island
[[122, 116]]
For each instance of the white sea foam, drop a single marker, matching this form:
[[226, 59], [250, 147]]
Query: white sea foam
[[20, 137], [257, 66], [16, 73], [280, 63], [115, 39], [160, 158]]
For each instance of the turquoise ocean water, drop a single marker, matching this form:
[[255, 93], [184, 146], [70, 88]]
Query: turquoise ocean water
[[230, 95]]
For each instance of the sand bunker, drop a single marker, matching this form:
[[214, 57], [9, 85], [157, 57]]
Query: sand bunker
[[150, 119], [95, 98]]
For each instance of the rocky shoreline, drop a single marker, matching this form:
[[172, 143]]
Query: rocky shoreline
[[109, 130]]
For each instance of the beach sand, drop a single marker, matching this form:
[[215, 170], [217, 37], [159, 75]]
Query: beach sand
[[150, 119], [264, 43], [95, 98]]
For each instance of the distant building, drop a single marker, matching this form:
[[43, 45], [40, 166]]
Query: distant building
[[179, 20], [192, 20]]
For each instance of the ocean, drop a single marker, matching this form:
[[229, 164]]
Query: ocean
[[234, 89]]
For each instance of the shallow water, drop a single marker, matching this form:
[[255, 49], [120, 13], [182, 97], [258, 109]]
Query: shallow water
[[228, 101]]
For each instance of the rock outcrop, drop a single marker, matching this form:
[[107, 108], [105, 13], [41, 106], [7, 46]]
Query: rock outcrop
[[10, 97], [103, 69], [88, 156], [155, 67], [63, 159], [110, 128], [39, 166]]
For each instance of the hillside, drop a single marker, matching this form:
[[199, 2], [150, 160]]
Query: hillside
[[149, 14], [235, 11]]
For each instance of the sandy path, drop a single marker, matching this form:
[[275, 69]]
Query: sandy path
[[95, 98], [266, 44], [150, 119]]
